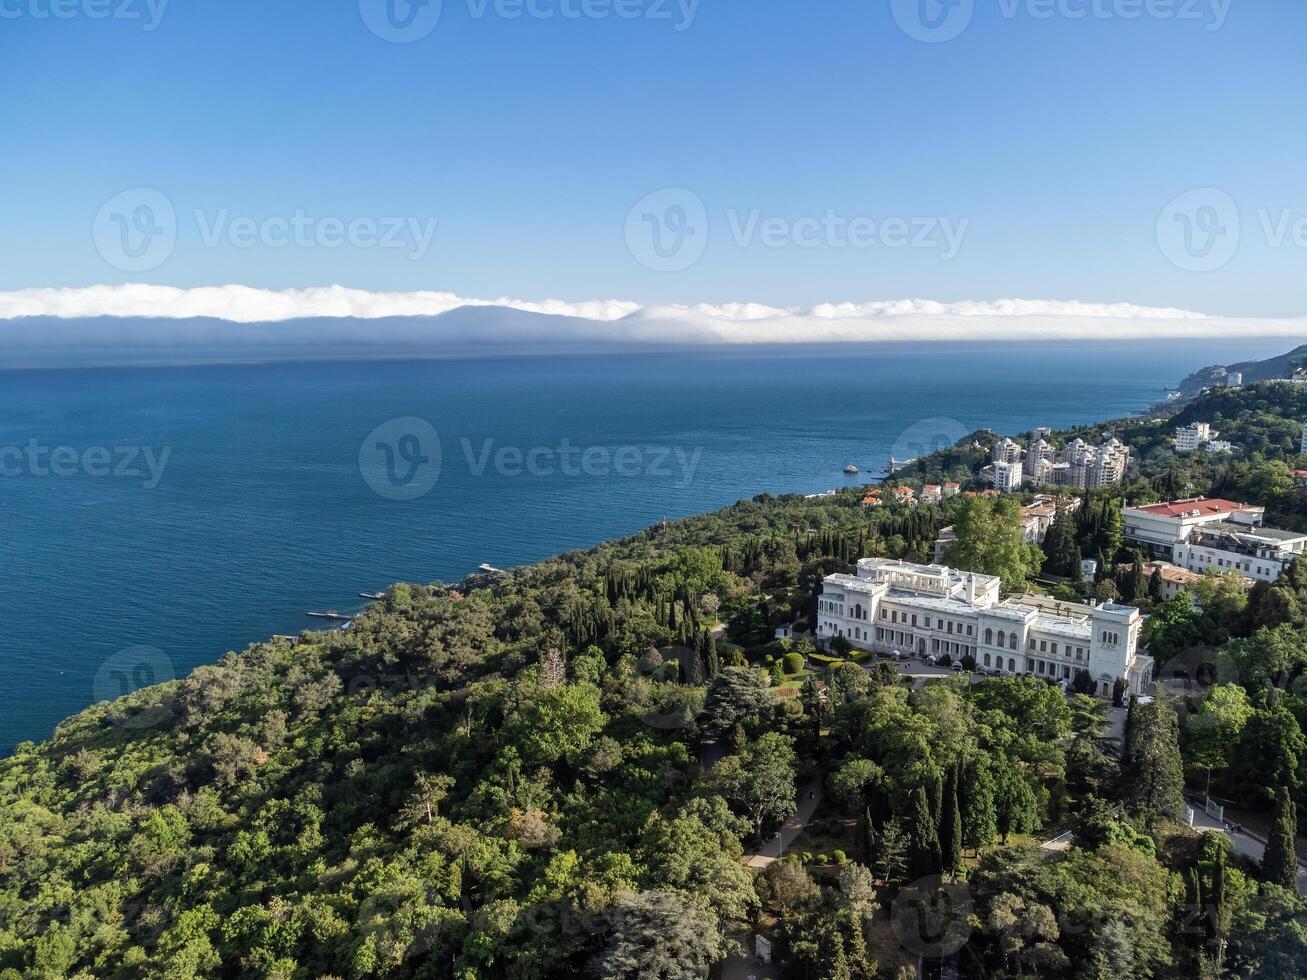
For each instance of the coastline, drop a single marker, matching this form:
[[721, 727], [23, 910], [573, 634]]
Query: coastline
[[260, 605]]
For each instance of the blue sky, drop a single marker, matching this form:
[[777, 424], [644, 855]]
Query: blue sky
[[1050, 145]]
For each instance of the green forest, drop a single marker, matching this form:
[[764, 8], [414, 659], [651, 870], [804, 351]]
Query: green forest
[[560, 772]]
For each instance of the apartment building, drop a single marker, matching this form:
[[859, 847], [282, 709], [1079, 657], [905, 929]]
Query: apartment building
[[1190, 438]]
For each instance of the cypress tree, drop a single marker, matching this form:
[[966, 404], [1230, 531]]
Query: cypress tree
[[1280, 863], [1153, 774], [936, 798], [1219, 898], [923, 837], [950, 828], [1155, 585], [711, 660]]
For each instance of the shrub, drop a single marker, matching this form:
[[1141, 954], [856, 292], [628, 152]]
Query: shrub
[[793, 663], [841, 857], [807, 857], [841, 645], [823, 860], [945, 660], [968, 662]]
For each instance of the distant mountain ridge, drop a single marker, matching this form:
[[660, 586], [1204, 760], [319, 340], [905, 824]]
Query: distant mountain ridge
[[1281, 366]]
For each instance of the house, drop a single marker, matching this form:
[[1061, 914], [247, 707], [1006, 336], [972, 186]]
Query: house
[[906, 496], [952, 489], [872, 499], [932, 610], [1176, 579], [931, 493]]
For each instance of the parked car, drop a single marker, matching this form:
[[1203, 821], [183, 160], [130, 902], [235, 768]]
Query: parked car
[[899, 655], [930, 659], [957, 669]]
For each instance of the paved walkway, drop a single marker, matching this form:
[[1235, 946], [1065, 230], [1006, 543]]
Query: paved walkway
[[1245, 844], [810, 796]]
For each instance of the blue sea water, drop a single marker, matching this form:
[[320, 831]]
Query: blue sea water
[[267, 508]]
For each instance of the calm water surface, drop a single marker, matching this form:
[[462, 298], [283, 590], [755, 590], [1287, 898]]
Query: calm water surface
[[263, 511]]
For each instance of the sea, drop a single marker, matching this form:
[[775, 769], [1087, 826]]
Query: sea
[[152, 519]]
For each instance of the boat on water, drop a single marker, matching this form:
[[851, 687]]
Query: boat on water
[[378, 596], [851, 470]]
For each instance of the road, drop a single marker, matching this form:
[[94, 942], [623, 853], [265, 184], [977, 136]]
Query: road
[[1245, 844], [810, 796]]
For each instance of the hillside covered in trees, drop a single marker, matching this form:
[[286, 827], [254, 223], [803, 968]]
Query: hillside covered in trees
[[504, 780]]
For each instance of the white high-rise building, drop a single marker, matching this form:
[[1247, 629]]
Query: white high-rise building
[[1008, 476], [1189, 438]]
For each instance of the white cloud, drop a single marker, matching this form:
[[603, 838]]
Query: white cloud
[[212, 322], [242, 304]]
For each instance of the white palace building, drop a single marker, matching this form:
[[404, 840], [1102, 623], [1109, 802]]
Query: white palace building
[[925, 610]]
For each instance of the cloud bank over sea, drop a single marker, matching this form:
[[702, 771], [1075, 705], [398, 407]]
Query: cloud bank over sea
[[143, 323]]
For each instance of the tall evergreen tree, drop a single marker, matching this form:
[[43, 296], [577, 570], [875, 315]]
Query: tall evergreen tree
[[1280, 862], [950, 827], [923, 838], [976, 800], [1152, 774]]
